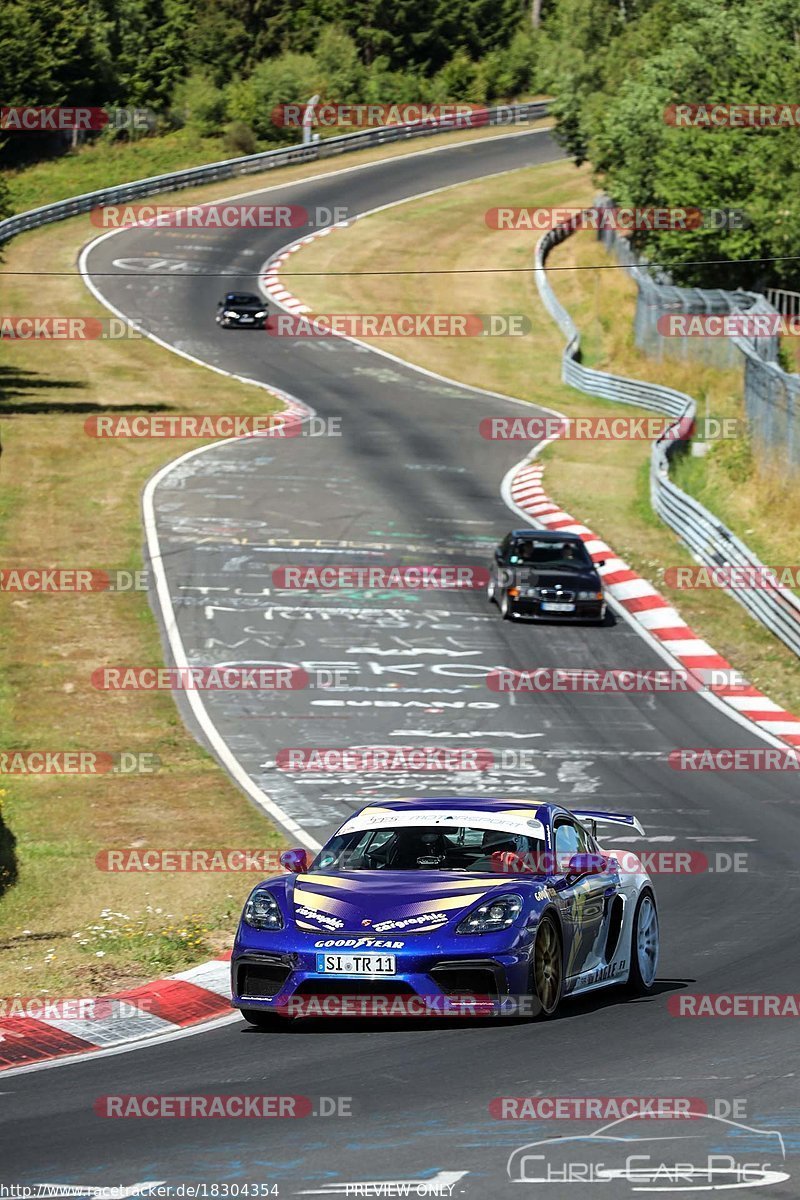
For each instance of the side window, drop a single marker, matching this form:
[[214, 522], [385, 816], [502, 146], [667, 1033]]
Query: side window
[[505, 546], [570, 839]]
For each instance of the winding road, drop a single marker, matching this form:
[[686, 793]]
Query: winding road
[[410, 480]]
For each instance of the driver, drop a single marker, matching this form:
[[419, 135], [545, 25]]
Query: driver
[[418, 849]]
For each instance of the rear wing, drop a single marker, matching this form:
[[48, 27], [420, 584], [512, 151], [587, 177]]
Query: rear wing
[[592, 817]]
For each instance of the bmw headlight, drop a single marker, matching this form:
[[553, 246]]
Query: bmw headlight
[[598, 595], [262, 911], [492, 916], [234, 316]]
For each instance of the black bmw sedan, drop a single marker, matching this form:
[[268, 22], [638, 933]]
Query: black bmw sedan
[[546, 576]]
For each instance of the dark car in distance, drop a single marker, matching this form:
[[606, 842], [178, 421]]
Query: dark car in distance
[[546, 576], [242, 310]]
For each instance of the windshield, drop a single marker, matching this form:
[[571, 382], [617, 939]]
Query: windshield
[[559, 555], [241, 298], [415, 848]]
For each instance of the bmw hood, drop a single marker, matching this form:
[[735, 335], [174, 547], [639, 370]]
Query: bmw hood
[[578, 581], [386, 901]]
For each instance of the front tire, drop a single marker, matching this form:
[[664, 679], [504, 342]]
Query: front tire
[[491, 590], [506, 608], [548, 968], [645, 944]]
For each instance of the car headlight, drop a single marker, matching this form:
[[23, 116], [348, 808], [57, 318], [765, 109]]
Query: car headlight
[[590, 595], [262, 911], [230, 313], [494, 915], [260, 314]]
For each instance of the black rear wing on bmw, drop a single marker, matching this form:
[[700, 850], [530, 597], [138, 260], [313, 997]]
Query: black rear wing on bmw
[[592, 817]]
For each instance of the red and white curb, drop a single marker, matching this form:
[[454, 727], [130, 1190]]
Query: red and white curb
[[164, 1006], [271, 284], [649, 610]]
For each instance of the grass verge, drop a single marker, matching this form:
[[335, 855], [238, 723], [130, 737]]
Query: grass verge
[[604, 484]]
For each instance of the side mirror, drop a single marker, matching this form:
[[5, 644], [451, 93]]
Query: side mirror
[[295, 861], [586, 864]]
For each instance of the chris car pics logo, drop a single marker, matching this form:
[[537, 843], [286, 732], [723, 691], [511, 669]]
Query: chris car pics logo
[[637, 1154]]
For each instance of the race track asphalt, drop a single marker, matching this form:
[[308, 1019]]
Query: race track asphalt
[[410, 480]]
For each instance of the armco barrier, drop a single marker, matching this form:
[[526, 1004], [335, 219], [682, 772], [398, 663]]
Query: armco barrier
[[251, 164], [709, 540]]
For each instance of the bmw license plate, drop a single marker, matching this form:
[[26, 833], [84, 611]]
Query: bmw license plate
[[551, 606], [356, 964]]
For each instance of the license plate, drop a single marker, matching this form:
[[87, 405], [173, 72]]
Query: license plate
[[356, 964], [246, 320], [551, 606]]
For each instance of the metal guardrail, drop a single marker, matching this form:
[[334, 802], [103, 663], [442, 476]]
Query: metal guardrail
[[251, 164], [787, 303], [711, 542]]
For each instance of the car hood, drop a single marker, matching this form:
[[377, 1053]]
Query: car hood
[[386, 901], [574, 581]]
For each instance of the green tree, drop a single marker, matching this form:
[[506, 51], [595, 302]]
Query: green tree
[[199, 103], [289, 79], [338, 66]]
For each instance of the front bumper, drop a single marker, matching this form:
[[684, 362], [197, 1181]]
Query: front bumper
[[271, 979], [242, 322], [531, 606]]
